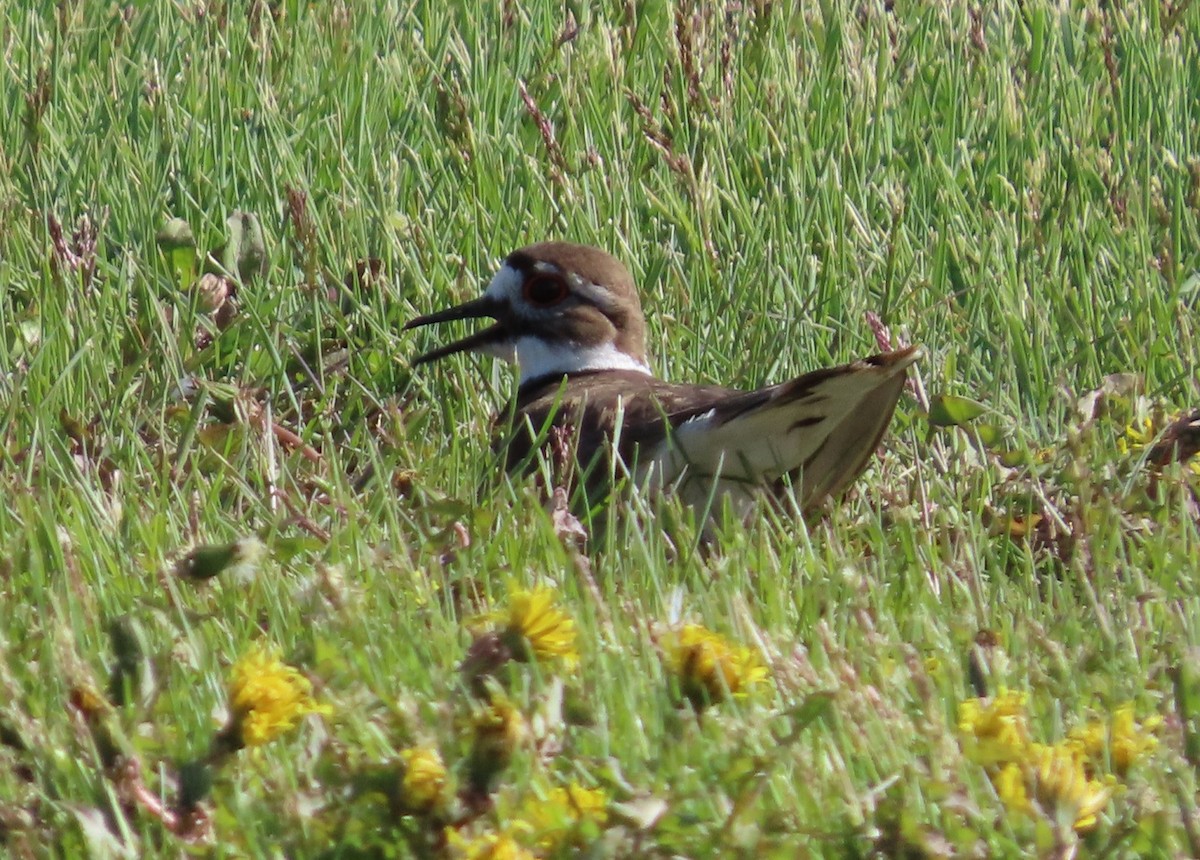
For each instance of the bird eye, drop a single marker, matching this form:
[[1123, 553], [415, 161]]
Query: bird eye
[[544, 291]]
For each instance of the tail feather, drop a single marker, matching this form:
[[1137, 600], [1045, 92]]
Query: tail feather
[[849, 445], [819, 429]]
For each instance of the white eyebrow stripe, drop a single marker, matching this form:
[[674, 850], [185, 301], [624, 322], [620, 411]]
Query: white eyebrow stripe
[[595, 294], [505, 284]]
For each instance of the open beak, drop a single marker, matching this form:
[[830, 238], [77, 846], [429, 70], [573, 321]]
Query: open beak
[[491, 340]]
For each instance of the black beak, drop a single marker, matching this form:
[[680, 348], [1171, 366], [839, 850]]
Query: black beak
[[485, 306]]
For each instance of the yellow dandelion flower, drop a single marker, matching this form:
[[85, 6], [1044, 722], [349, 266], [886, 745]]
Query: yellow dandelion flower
[[1144, 432], [487, 846], [89, 701], [268, 697], [1120, 742], [1128, 741], [994, 732], [708, 666], [1091, 740], [1137, 435], [500, 721], [561, 818], [1009, 782], [497, 730], [1020, 526], [1056, 781], [535, 626], [424, 781]]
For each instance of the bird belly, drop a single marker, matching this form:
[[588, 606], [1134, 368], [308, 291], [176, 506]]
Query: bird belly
[[670, 470]]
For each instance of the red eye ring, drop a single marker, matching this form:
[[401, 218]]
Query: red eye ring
[[544, 291]]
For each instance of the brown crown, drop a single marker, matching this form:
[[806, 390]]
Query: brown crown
[[617, 313]]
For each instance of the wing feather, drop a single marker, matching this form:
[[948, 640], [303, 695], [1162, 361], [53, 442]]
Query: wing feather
[[820, 428]]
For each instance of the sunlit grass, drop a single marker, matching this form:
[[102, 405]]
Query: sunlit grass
[[1016, 186]]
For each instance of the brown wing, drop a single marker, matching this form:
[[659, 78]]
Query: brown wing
[[820, 429], [591, 405]]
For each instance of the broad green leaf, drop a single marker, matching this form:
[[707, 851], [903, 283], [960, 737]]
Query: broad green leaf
[[179, 244], [175, 234], [947, 410], [246, 251], [989, 434]]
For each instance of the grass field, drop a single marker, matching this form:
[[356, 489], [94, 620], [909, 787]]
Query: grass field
[[991, 648]]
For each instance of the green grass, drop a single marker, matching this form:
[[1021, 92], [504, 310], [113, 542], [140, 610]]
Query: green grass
[[1017, 186]]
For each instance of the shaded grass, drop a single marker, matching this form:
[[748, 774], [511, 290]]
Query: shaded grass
[[1014, 187]]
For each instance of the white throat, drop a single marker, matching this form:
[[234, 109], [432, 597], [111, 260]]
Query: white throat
[[538, 358]]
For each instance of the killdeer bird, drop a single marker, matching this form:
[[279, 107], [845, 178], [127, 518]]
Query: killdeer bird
[[569, 315]]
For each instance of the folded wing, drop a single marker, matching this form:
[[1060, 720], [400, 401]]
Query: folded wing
[[820, 429]]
